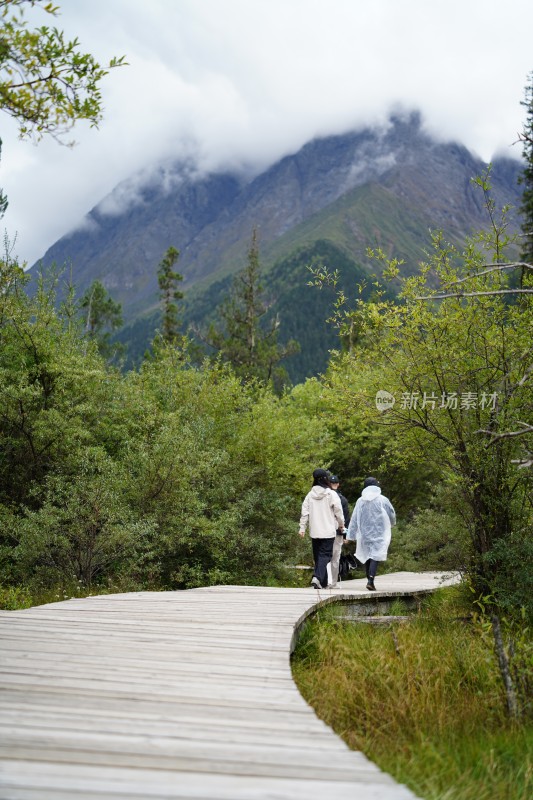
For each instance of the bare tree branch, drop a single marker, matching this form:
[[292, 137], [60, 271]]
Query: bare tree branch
[[495, 437], [525, 376], [474, 294], [488, 269], [523, 464], [494, 268]]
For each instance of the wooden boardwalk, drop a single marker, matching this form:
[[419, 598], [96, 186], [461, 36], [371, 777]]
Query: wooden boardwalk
[[174, 695]]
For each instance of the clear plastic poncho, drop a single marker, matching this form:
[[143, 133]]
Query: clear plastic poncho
[[370, 525]]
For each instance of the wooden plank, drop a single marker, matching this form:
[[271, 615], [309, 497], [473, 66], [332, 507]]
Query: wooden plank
[[50, 782], [173, 695]]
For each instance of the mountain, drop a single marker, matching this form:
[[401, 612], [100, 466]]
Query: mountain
[[334, 198]]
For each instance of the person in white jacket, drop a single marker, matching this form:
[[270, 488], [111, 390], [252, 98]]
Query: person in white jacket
[[322, 511], [370, 527]]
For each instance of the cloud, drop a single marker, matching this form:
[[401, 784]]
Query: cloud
[[132, 192], [239, 84]]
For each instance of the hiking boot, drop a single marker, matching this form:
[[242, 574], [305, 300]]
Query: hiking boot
[[316, 583], [370, 585]]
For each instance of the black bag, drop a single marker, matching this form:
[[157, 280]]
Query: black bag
[[346, 565]]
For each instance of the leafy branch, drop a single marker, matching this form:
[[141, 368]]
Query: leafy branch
[[46, 83]]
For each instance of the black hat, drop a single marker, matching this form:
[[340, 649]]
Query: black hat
[[320, 477], [371, 482], [333, 479]]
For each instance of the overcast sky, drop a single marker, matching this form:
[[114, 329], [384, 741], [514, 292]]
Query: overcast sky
[[244, 82]]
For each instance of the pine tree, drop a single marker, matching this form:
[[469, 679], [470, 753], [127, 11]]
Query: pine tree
[[168, 280], [102, 315], [526, 179], [246, 342]]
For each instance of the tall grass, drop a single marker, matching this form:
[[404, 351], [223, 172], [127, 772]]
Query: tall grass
[[15, 598], [422, 699]]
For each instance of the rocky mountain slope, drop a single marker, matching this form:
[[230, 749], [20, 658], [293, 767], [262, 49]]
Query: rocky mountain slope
[[386, 187]]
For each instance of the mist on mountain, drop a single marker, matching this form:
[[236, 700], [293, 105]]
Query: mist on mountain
[[337, 196]]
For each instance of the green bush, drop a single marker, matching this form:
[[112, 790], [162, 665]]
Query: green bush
[[432, 540], [167, 477]]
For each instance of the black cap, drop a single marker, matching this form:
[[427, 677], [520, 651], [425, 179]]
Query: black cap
[[333, 479], [320, 477], [371, 482]]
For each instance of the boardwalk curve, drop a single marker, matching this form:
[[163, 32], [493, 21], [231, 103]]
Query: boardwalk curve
[[184, 694]]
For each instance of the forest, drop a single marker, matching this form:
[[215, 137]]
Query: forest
[[189, 468], [163, 476]]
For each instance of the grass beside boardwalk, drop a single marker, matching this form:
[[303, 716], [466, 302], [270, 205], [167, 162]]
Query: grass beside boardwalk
[[17, 598], [422, 699]]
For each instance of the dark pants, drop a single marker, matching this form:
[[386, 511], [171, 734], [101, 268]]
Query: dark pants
[[322, 552], [371, 567]]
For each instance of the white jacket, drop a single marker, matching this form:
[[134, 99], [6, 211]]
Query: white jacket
[[322, 511]]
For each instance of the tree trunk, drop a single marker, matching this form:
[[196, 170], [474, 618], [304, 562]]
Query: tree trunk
[[503, 661]]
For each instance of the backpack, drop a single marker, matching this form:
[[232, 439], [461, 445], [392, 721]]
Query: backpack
[[346, 565]]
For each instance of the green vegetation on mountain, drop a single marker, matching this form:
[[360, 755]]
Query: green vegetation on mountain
[[299, 311], [240, 336], [369, 216], [302, 311]]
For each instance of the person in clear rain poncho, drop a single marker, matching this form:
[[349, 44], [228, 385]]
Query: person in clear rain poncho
[[370, 527]]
